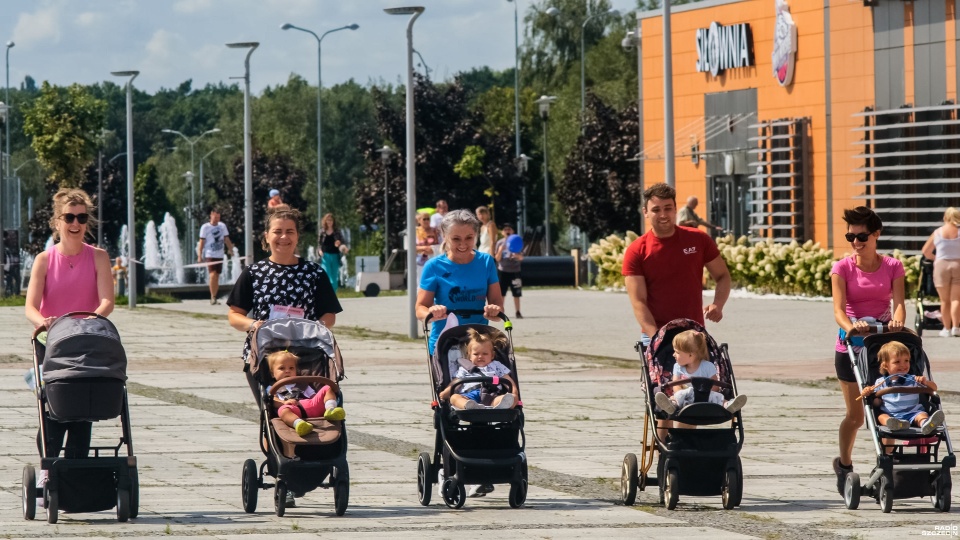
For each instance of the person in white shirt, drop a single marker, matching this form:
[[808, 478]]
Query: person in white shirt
[[213, 237]]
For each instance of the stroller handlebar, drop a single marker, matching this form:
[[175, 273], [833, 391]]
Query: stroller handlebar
[[305, 379], [466, 313], [482, 379], [693, 380]]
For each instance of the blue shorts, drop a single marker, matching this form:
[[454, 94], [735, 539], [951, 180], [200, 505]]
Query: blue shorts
[[473, 394], [907, 416]]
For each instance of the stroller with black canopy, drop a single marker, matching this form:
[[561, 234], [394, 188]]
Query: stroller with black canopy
[[698, 462], [473, 446], [83, 373], [916, 465], [298, 463], [928, 312]]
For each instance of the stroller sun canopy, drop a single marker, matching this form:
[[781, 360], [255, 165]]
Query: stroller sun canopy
[[79, 348]]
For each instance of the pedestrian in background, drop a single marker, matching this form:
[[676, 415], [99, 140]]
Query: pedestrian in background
[[946, 270], [275, 199], [508, 263], [213, 237], [488, 231], [332, 246]]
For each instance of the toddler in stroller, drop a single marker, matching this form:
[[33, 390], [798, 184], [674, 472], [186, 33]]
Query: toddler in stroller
[[690, 352], [898, 410], [479, 350], [300, 459]]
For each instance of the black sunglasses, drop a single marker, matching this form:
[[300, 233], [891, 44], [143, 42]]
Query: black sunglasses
[[862, 237], [81, 218]]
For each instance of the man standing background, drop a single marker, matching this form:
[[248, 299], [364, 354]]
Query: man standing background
[[213, 236], [688, 218]]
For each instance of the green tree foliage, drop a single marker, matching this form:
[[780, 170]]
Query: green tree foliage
[[600, 189], [63, 123], [149, 200]]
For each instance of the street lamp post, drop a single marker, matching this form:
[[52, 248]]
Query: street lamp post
[[319, 39], [633, 41], [668, 150], [131, 224], [583, 58], [4, 118], [189, 176], [247, 152], [385, 153], [6, 98], [414, 12], [205, 156], [544, 102]]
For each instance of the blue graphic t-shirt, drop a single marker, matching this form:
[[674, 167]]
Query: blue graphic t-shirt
[[458, 286]]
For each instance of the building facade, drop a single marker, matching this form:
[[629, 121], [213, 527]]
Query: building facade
[[786, 112]]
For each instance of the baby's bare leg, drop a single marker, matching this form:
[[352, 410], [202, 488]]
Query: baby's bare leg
[[919, 419], [289, 417], [458, 401]]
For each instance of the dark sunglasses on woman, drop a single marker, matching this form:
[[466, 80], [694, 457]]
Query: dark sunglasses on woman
[[81, 218], [861, 237]]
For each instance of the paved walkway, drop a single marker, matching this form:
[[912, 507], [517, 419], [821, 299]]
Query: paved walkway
[[194, 427]]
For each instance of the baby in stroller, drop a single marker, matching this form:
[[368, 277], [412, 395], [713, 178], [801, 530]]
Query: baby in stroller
[[690, 351], [479, 350], [294, 403], [901, 410]]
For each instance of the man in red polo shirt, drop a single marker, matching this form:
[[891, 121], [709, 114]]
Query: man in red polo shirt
[[663, 269]]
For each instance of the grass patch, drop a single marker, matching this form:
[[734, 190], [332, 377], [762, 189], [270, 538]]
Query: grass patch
[[350, 293], [13, 301], [151, 298]]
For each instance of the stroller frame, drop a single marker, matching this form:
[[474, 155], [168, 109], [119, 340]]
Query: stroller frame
[[295, 474], [122, 467], [711, 457], [900, 474], [462, 466]]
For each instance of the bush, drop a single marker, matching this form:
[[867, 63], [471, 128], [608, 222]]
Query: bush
[[763, 267]]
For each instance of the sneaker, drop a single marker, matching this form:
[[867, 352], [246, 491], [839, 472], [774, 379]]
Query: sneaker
[[440, 479], [841, 472], [932, 423], [666, 404], [335, 414], [736, 403], [506, 402], [955, 332], [302, 427], [471, 404], [896, 424], [41, 482], [519, 316], [945, 333], [290, 501], [480, 490]]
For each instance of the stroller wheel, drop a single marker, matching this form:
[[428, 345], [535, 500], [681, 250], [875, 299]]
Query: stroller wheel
[[29, 492], [671, 491], [280, 498], [628, 479], [851, 491], [518, 493], [52, 504], [341, 489], [731, 489], [250, 486], [134, 493], [424, 486], [885, 495], [454, 493], [123, 505], [942, 501]]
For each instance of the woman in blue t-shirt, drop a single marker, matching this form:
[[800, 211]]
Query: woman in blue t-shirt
[[460, 278]]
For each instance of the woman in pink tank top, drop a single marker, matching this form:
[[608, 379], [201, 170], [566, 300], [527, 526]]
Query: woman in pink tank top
[[70, 276]]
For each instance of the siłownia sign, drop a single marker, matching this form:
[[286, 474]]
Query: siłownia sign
[[723, 47]]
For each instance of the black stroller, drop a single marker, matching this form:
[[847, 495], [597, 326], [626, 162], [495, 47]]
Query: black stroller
[[83, 371], [928, 312], [698, 462], [473, 446], [917, 468], [299, 464]]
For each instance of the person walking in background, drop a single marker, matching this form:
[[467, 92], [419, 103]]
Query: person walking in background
[[428, 240], [863, 285], [332, 245], [488, 231], [441, 210], [275, 199], [687, 217], [213, 236], [508, 263], [946, 270], [11, 263]]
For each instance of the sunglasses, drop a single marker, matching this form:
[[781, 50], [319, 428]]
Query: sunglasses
[[860, 237], [81, 218]]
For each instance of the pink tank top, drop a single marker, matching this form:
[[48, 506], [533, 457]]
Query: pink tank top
[[71, 283]]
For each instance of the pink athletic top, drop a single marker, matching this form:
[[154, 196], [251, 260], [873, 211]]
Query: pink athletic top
[[868, 293], [71, 283]]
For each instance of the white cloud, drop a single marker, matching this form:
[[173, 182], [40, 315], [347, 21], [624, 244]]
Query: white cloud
[[88, 19], [163, 49], [192, 6], [38, 27]]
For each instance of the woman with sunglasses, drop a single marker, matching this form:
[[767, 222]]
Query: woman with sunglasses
[[69, 276], [427, 240], [863, 286]]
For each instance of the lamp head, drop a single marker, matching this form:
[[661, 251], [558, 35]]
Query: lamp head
[[244, 45], [354, 26], [409, 10], [286, 26], [166, 131], [188, 175], [629, 41], [614, 13], [385, 153], [125, 73], [214, 130], [552, 11], [10, 44]]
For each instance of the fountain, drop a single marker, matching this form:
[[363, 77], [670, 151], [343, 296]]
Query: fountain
[[171, 259], [151, 247]]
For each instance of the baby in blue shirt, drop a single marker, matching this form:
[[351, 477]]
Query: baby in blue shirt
[[690, 350], [900, 411], [479, 349]]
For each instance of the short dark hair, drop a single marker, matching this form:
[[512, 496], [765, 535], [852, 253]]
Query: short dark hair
[[660, 191], [861, 215], [506, 225]]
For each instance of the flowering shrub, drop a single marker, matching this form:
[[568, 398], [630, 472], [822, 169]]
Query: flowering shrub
[[762, 267]]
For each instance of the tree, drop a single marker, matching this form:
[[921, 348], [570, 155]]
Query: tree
[[150, 201], [63, 123]]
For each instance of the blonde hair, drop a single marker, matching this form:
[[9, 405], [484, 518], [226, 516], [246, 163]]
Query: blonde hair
[[691, 342], [276, 357], [475, 337], [952, 215], [889, 352], [455, 218], [482, 210], [68, 197]]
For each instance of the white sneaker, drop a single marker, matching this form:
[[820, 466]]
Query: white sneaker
[[666, 404], [480, 490], [955, 332], [471, 404], [41, 481], [505, 402], [932, 423], [440, 479], [945, 333], [736, 403]]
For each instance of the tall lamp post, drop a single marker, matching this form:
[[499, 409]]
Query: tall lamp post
[[131, 224], [544, 102], [633, 41], [319, 39], [385, 153], [3, 117], [247, 152], [205, 156], [668, 150], [6, 98], [583, 58], [414, 12], [189, 177]]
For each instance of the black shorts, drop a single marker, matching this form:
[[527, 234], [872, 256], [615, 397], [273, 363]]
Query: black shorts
[[841, 362], [512, 281]]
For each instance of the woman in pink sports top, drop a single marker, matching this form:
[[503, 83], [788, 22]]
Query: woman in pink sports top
[[70, 276]]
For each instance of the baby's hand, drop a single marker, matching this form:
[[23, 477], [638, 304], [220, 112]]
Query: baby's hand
[[921, 379], [867, 391], [290, 402]]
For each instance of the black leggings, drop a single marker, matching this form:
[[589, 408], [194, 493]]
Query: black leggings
[[78, 439]]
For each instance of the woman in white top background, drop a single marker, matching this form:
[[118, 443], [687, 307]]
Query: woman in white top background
[[488, 231], [946, 269]]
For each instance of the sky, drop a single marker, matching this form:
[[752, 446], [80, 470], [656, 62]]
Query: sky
[[171, 41]]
